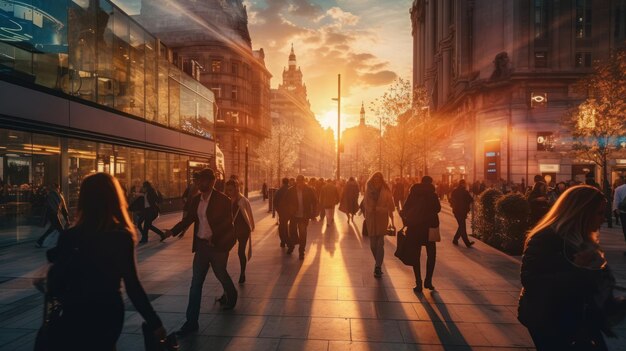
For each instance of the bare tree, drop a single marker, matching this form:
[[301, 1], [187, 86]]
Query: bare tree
[[279, 152]]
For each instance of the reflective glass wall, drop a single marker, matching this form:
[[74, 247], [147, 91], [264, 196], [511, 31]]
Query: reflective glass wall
[[92, 50], [32, 163]]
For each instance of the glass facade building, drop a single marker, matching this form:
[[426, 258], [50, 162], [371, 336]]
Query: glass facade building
[[84, 89]]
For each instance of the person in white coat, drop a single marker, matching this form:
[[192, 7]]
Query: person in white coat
[[243, 222]]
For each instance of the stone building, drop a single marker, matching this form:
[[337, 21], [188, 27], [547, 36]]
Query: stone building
[[289, 102], [501, 73], [210, 40], [361, 150]]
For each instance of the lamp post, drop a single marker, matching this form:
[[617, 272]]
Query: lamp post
[[246, 171], [338, 99]]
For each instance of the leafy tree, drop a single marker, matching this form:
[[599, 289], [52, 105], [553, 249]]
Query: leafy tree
[[279, 152]]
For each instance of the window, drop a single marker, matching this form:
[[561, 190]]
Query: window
[[583, 59], [217, 90], [583, 19], [234, 93], [541, 59], [234, 69], [216, 66], [541, 19]]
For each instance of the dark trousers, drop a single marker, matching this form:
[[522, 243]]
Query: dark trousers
[[431, 252], [461, 232], [297, 233], [145, 223], [283, 228], [55, 224], [242, 242], [622, 218], [205, 258], [551, 340]]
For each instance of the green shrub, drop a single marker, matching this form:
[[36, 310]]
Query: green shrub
[[485, 226], [512, 212]]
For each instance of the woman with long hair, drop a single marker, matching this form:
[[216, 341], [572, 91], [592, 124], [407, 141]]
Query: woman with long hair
[[563, 272], [101, 247], [378, 205], [243, 222], [349, 203], [150, 212]]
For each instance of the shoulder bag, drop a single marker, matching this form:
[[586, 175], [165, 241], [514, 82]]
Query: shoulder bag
[[434, 235]]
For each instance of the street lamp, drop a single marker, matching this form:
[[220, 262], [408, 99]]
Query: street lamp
[[338, 99]]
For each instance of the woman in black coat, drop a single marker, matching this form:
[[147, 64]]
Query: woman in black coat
[[564, 276], [419, 213]]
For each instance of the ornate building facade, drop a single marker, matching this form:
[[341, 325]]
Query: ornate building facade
[[289, 103], [501, 73], [210, 40], [361, 150]]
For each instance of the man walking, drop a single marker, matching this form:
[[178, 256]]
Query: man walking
[[56, 213], [619, 206], [302, 206], [461, 201], [397, 190], [281, 206], [210, 212], [329, 198]]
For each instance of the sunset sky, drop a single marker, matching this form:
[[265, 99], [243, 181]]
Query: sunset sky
[[368, 42]]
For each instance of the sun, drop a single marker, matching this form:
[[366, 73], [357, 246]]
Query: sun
[[329, 120]]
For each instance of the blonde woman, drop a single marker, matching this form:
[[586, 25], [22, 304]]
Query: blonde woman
[[563, 274], [379, 207]]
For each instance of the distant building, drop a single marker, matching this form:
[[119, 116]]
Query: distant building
[[210, 39], [361, 150], [290, 104], [502, 73]]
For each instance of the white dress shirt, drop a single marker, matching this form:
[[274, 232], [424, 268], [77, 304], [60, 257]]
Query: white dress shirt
[[204, 228], [620, 195]]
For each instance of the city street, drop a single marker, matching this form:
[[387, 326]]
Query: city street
[[329, 301]]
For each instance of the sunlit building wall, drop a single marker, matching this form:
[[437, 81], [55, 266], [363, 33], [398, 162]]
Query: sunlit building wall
[[210, 40], [502, 74], [85, 89], [361, 150], [316, 152]]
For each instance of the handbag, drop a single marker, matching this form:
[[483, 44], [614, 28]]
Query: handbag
[[153, 344], [391, 231], [434, 235], [403, 249]]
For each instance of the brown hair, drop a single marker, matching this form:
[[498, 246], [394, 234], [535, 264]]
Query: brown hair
[[102, 205]]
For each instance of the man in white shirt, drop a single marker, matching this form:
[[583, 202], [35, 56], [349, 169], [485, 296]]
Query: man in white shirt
[[619, 206], [210, 212]]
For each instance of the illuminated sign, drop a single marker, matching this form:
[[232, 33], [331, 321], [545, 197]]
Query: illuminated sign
[[538, 100], [492, 160]]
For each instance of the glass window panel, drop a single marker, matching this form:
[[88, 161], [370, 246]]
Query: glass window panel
[[137, 170], [188, 110], [122, 170], [163, 175], [174, 100], [46, 151], [82, 162], [185, 177], [174, 184], [105, 160], [163, 88], [136, 89], [121, 61], [152, 167], [151, 78], [107, 82], [79, 75]]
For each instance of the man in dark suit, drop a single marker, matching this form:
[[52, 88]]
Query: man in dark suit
[[281, 206], [210, 212], [461, 201], [302, 205]]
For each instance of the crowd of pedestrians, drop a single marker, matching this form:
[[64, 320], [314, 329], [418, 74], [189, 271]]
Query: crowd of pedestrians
[[566, 303]]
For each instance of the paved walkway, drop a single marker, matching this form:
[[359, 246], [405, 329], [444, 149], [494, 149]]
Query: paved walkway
[[329, 301]]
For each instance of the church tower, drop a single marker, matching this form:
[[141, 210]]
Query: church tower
[[362, 120], [292, 78]]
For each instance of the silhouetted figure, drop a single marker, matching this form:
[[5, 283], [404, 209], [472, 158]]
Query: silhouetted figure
[[619, 206], [378, 210], [211, 214], [398, 192], [281, 206], [301, 206], [56, 214], [461, 200], [420, 213], [349, 203], [91, 259], [264, 191], [150, 212], [567, 287], [329, 198], [243, 222], [538, 202]]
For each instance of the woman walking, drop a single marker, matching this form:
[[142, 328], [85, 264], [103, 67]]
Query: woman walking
[[243, 222], [420, 213], [99, 252], [378, 204], [566, 283], [150, 212], [349, 203]]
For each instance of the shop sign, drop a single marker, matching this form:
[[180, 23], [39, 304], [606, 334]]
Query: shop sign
[[549, 168], [620, 161]]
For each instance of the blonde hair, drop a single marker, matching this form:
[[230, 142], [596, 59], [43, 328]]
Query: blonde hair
[[102, 205], [571, 214]]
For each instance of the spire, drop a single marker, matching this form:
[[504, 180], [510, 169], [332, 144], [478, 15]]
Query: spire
[[292, 57], [362, 121]]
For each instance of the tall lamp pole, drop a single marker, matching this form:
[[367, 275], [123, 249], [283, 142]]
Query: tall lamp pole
[[338, 99], [245, 190]]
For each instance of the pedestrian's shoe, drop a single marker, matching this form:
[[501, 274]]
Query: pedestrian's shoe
[[143, 240], [429, 285], [470, 243], [163, 237], [187, 328], [417, 289], [301, 255], [290, 251], [378, 272], [242, 278], [455, 242], [222, 299]]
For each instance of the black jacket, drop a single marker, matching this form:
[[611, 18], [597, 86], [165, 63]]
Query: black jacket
[[555, 293], [461, 201], [219, 216], [280, 203], [309, 202], [420, 212]]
